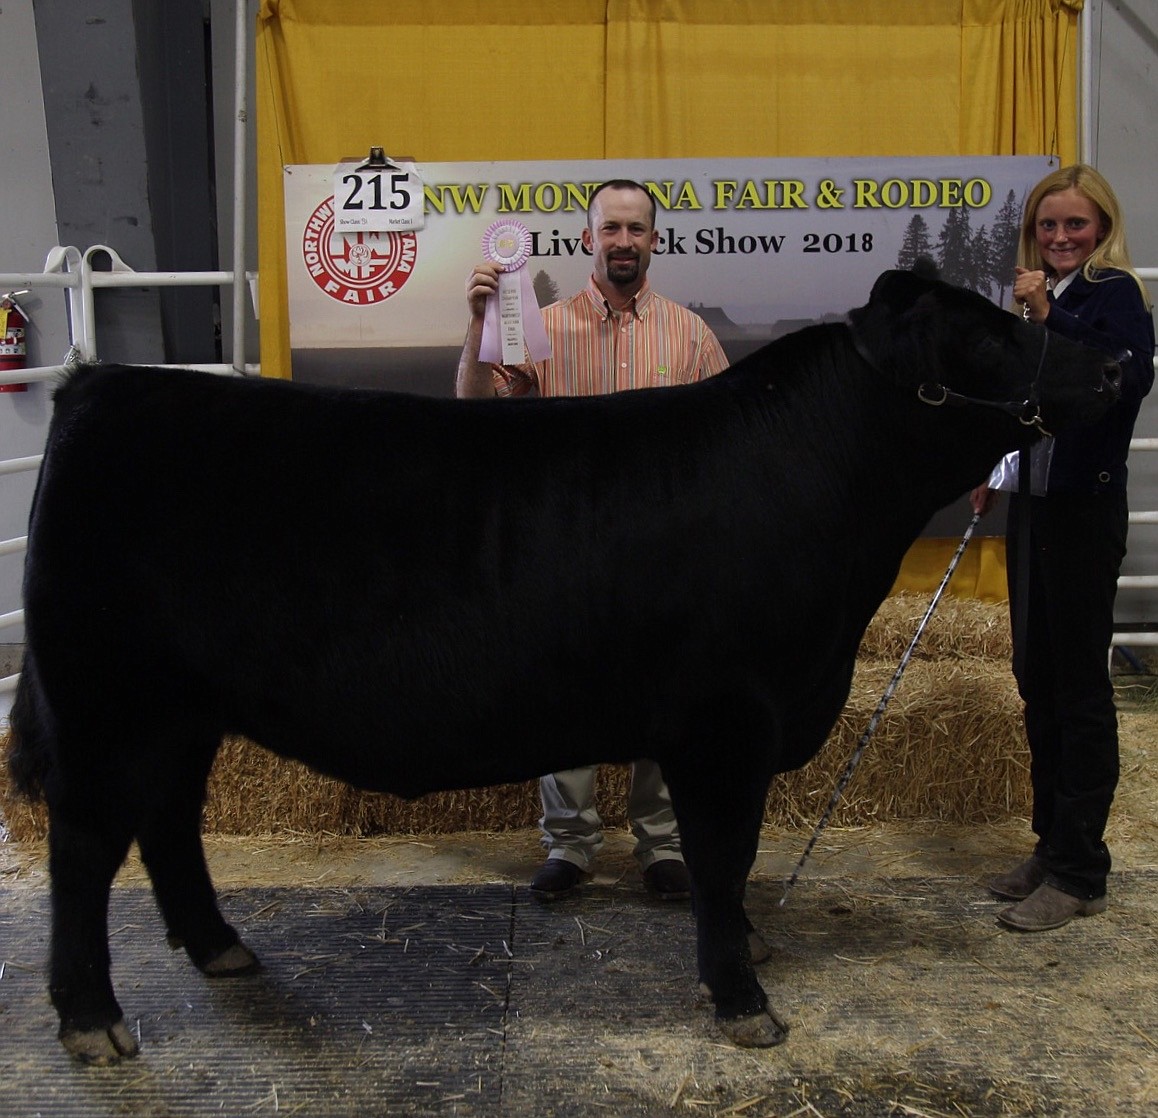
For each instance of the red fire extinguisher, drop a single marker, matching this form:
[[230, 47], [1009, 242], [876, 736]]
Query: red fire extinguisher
[[13, 348]]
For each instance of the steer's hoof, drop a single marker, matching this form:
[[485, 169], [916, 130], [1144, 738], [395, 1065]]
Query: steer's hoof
[[233, 962], [100, 1046], [758, 948], [762, 1030]]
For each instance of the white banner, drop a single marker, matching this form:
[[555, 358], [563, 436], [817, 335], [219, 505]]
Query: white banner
[[758, 247]]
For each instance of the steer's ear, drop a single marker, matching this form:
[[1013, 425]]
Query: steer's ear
[[896, 330], [899, 290], [925, 267]]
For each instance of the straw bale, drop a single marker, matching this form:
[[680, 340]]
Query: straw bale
[[959, 628], [273, 793], [949, 747], [24, 821]]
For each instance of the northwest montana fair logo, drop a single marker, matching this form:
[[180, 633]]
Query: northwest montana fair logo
[[356, 268]]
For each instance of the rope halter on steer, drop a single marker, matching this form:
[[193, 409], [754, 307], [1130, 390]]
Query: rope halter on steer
[[1027, 412]]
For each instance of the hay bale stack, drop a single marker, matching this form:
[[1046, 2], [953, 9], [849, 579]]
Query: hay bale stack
[[272, 794], [949, 747], [22, 820], [960, 629]]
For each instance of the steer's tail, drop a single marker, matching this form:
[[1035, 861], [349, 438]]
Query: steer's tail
[[29, 749]]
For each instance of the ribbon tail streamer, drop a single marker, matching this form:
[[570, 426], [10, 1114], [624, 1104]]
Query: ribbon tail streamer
[[512, 321], [491, 349]]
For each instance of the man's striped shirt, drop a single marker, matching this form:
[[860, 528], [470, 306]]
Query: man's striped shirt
[[595, 350]]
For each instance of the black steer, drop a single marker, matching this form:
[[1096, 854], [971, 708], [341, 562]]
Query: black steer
[[414, 594]]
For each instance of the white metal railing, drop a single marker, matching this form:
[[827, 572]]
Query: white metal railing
[[1139, 582], [19, 465], [74, 271]]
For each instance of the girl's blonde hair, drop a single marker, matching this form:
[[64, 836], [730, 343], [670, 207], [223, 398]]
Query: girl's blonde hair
[[1111, 251]]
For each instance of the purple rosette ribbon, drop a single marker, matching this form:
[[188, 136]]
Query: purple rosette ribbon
[[512, 325]]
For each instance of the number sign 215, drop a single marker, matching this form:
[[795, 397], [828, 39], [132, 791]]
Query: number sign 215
[[377, 201]]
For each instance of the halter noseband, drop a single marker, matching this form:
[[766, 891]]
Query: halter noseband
[[1027, 412]]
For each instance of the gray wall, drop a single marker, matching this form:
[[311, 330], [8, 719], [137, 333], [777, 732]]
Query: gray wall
[[26, 235], [109, 111]]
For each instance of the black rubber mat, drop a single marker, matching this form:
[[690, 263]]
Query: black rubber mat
[[369, 1003], [457, 1000]]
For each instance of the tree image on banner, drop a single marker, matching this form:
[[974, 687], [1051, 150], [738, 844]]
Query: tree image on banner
[[1006, 228], [980, 260], [955, 250], [916, 243], [546, 289]]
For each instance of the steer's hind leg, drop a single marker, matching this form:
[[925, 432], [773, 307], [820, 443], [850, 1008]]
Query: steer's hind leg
[[719, 810], [85, 853], [169, 837]]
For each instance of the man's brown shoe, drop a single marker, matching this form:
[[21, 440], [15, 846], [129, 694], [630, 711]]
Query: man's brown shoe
[[1020, 881], [1047, 908]]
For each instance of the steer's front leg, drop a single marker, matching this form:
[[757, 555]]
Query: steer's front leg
[[725, 965], [719, 819]]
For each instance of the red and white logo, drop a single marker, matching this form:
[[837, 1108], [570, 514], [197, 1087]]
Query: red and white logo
[[356, 268]]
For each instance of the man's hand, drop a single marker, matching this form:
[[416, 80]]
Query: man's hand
[[482, 283]]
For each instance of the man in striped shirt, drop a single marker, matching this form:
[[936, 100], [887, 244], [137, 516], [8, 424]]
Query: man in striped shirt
[[615, 334]]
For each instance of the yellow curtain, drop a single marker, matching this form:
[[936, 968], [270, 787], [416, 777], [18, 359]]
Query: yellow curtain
[[462, 80], [1024, 54], [841, 78], [784, 77]]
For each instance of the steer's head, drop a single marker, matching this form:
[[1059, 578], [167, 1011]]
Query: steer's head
[[954, 348]]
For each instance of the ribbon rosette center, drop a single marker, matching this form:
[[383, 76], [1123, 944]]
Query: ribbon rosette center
[[512, 319], [507, 243]]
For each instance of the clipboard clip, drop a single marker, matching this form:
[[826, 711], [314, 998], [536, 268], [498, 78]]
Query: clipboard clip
[[378, 161]]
